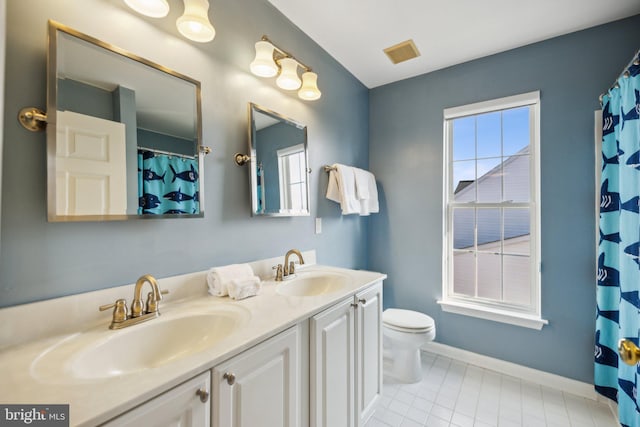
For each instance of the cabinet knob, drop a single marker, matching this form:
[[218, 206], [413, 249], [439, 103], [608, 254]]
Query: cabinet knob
[[231, 379], [354, 305], [203, 394], [362, 301]]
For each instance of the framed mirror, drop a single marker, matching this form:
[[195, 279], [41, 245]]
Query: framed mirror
[[124, 134], [279, 164]]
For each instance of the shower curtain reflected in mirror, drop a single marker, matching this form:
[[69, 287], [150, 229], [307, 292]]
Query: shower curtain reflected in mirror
[[618, 286], [167, 184]]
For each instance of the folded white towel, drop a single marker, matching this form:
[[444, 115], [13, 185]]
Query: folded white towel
[[362, 183], [218, 278], [342, 189], [244, 288], [366, 186]]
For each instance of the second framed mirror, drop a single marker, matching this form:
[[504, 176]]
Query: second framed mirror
[[279, 164]]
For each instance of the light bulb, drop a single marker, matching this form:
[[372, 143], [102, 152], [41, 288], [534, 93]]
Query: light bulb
[[194, 23], [309, 90], [263, 64], [152, 8], [288, 78]]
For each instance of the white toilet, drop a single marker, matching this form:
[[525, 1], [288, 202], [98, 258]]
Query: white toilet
[[404, 332]]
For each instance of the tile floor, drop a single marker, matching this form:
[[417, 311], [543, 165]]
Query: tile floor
[[456, 394]]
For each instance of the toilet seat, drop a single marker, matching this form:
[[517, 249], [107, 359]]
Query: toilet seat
[[407, 321]]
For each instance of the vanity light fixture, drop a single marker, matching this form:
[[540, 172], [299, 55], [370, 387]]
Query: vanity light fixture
[[270, 60], [151, 8], [194, 23]]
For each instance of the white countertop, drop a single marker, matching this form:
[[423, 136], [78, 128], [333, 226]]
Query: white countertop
[[98, 400]]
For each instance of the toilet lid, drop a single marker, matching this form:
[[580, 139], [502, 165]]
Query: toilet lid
[[407, 319]]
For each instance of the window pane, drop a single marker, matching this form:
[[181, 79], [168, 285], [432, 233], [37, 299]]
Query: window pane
[[490, 180], [516, 277], [489, 276], [464, 138], [296, 197], [295, 167], [464, 273], [489, 135], [489, 230], [516, 178], [515, 131], [464, 175], [517, 239], [463, 227]]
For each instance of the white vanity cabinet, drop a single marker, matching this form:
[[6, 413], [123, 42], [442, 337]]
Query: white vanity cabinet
[[346, 360], [187, 405], [263, 385]]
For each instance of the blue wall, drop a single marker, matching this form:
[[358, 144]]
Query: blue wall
[[406, 141], [41, 260]]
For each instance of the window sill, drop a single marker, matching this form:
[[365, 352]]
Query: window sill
[[503, 316]]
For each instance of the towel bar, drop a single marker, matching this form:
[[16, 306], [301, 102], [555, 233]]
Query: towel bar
[[328, 168]]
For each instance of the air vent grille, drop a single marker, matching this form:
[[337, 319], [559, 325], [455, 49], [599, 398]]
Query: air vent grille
[[402, 51]]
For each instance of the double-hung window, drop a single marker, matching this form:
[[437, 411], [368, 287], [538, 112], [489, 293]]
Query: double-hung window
[[492, 218]]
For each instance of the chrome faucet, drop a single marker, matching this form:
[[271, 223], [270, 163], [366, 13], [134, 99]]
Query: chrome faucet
[[121, 316], [289, 268]]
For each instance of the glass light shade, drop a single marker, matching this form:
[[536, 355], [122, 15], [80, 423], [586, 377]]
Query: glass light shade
[[152, 8], [309, 90], [288, 78], [194, 23], [263, 64]]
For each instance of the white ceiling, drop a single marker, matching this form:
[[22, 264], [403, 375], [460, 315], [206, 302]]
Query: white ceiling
[[446, 32]]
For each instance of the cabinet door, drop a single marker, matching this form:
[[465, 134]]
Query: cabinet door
[[332, 367], [260, 387], [368, 350], [181, 406]]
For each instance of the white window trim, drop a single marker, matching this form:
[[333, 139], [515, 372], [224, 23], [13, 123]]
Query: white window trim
[[473, 306]]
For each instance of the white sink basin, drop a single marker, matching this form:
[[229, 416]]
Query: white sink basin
[[308, 284], [104, 353]]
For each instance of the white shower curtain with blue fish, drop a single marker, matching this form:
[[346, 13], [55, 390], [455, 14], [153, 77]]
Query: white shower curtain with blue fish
[[167, 184], [618, 300]]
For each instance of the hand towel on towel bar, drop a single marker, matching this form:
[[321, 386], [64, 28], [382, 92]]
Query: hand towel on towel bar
[[218, 278], [355, 189], [366, 191], [342, 189]]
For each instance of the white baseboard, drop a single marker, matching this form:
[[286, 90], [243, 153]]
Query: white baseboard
[[536, 376]]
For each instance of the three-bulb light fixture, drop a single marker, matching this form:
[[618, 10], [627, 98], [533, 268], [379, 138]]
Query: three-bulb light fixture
[[194, 23], [270, 61]]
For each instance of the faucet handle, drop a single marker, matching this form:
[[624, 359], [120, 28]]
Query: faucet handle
[[151, 305], [119, 310], [278, 269]]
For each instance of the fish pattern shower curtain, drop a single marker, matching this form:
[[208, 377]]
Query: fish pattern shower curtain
[[618, 286], [167, 184]]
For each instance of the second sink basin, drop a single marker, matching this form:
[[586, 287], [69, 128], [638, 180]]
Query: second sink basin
[[313, 283], [103, 353]]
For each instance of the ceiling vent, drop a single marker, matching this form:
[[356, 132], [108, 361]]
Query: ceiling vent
[[402, 51]]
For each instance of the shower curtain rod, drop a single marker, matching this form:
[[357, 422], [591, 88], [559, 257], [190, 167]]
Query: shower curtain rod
[[625, 72], [168, 153]]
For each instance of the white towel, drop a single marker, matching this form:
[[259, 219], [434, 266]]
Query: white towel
[[244, 288], [218, 278], [342, 189], [367, 192]]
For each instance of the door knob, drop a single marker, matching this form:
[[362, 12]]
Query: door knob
[[629, 352]]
